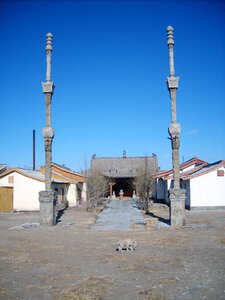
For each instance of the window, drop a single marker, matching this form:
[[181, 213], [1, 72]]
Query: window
[[220, 172], [10, 179]]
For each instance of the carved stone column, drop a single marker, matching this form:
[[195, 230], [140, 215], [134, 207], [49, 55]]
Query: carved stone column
[[176, 194], [47, 198]]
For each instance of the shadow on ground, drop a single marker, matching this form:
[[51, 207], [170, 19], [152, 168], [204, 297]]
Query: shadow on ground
[[59, 215], [160, 219]]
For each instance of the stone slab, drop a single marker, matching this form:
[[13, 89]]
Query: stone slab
[[120, 215]]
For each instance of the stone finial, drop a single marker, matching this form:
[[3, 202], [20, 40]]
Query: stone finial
[[170, 40], [48, 58], [49, 41], [170, 43]]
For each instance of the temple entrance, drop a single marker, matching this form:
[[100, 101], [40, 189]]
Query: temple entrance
[[126, 184]]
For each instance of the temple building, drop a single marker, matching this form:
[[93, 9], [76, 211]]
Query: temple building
[[122, 172]]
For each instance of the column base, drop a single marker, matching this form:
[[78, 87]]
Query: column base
[[177, 207], [47, 214]]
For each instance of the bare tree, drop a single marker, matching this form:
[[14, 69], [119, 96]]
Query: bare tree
[[145, 184], [97, 186]]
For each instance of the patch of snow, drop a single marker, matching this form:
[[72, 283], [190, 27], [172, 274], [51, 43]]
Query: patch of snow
[[25, 225], [65, 224], [161, 225]]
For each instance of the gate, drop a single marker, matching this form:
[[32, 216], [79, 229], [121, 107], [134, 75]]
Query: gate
[[6, 199]]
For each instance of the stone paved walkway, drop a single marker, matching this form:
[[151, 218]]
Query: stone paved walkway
[[120, 215]]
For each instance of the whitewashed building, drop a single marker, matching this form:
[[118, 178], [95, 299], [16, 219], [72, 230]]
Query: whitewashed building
[[19, 188], [204, 184]]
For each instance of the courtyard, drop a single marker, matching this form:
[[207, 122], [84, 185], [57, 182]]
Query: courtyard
[[71, 261]]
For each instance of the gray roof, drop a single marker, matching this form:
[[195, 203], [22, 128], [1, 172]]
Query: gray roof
[[3, 168], [123, 166], [63, 167], [207, 168], [37, 175]]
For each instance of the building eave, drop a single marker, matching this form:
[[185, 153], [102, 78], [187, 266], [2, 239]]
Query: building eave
[[207, 171], [69, 173], [190, 162], [21, 173]]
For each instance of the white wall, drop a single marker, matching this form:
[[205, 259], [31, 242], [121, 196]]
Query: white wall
[[5, 180], [26, 192], [72, 194], [188, 169], [84, 191], [208, 190], [160, 189]]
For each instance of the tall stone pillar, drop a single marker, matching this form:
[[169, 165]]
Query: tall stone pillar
[[176, 194], [47, 198]]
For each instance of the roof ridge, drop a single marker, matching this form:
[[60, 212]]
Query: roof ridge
[[122, 157], [66, 169]]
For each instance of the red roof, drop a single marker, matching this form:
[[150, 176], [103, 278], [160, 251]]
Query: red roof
[[199, 170], [193, 161], [204, 170]]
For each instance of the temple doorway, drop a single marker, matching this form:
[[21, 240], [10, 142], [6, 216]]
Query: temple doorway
[[125, 184]]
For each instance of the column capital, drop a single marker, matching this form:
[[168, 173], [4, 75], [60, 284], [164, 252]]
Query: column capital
[[172, 82], [48, 87], [48, 132], [174, 129]]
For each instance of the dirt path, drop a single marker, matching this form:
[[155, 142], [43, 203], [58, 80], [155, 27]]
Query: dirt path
[[70, 261]]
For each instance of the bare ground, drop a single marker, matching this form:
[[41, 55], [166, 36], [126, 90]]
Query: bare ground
[[69, 261]]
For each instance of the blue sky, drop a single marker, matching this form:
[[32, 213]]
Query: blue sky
[[109, 64]]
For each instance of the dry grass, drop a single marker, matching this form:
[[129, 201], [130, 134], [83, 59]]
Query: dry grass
[[92, 288], [83, 224], [220, 240], [134, 268], [58, 274], [149, 295], [96, 210], [153, 258], [201, 222], [113, 258], [181, 239], [6, 294], [136, 226]]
